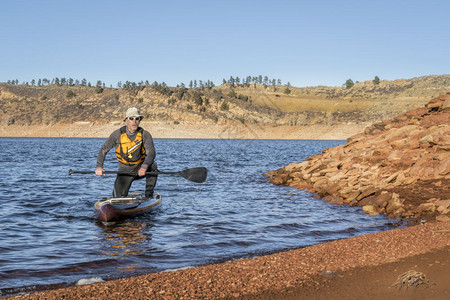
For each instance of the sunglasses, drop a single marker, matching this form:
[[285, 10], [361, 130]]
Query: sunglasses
[[134, 118]]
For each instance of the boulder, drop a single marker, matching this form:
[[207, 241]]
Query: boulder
[[370, 210], [443, 218], [369, 190], [425, 208]]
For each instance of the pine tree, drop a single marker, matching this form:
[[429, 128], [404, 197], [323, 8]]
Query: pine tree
[[376, 81], [349, 83]]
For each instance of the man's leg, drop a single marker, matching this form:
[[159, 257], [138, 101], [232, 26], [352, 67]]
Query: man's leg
[[122, 185], [150, 180]]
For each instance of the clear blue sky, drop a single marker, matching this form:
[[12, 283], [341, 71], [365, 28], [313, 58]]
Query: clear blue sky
[[306, 43]]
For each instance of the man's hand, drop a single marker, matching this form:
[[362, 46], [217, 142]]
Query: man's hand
[[141, 172], [99, 171]]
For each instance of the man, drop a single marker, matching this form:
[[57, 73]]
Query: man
[[134, 151]]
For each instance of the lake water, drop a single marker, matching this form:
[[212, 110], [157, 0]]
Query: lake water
[[49, 234]]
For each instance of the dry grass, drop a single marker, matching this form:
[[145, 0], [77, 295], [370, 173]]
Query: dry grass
[[362, 104], [411, 278], [308, 103], [305, 103], [397, 96]]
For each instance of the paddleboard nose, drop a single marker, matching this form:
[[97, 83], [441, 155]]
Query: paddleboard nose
[[106, 213]]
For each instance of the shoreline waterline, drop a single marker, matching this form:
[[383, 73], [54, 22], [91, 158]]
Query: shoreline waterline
[[189, 131]]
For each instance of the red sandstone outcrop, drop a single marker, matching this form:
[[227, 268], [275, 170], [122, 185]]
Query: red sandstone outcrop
[[399, 167]]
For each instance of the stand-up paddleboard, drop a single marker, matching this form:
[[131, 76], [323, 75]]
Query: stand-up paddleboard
[[114, 209]]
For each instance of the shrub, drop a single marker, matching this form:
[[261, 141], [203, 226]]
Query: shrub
[[197, 98], [70, 94], [180, 93], [287, 90], [224, 106], [243, 97]]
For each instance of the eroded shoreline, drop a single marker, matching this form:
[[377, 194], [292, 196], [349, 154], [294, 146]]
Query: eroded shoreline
[[188, 131]]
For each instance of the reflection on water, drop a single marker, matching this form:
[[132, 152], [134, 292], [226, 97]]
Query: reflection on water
[[124, 238]]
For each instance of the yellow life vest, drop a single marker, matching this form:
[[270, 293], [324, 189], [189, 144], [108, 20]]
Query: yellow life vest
[[130, 152]]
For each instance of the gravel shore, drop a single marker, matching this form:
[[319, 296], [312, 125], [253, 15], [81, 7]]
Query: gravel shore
[[362, 267]]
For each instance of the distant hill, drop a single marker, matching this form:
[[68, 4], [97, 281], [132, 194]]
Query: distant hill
[[365, 102]]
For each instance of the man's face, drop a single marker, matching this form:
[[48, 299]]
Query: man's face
[[132, 123]]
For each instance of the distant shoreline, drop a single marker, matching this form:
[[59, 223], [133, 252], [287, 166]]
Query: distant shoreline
[[189, 131]]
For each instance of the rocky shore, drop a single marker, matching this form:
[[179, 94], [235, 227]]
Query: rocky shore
[[399, 167]]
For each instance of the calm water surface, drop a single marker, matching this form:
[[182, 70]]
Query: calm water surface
[[49, 234]]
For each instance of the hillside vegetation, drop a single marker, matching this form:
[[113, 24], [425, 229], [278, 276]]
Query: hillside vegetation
[[363, 103]]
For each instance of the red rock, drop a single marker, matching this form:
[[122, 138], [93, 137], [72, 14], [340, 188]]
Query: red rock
[[434, 104], [444, 167], [279, 180], [349, 197], [446, 104], [383, 199], [443, 218], [370, 190], [424, 208], [367, 201], [418, 113], [404, 155], [300, 185], [435, 119], [392, 178], [443, 203], [370, 210]]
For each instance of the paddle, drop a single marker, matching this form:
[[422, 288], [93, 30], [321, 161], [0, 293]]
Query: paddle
[[193, 174]]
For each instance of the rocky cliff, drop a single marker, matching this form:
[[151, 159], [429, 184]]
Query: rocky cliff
[[399, 167]]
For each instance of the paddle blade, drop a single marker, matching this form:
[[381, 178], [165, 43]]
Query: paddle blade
[[195, 174]]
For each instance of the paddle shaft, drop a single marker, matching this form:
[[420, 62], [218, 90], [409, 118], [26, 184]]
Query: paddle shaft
[[117, 172], [194, 174]]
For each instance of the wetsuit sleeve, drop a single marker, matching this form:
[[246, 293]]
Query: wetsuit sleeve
[[112, 141], [149, 150]]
